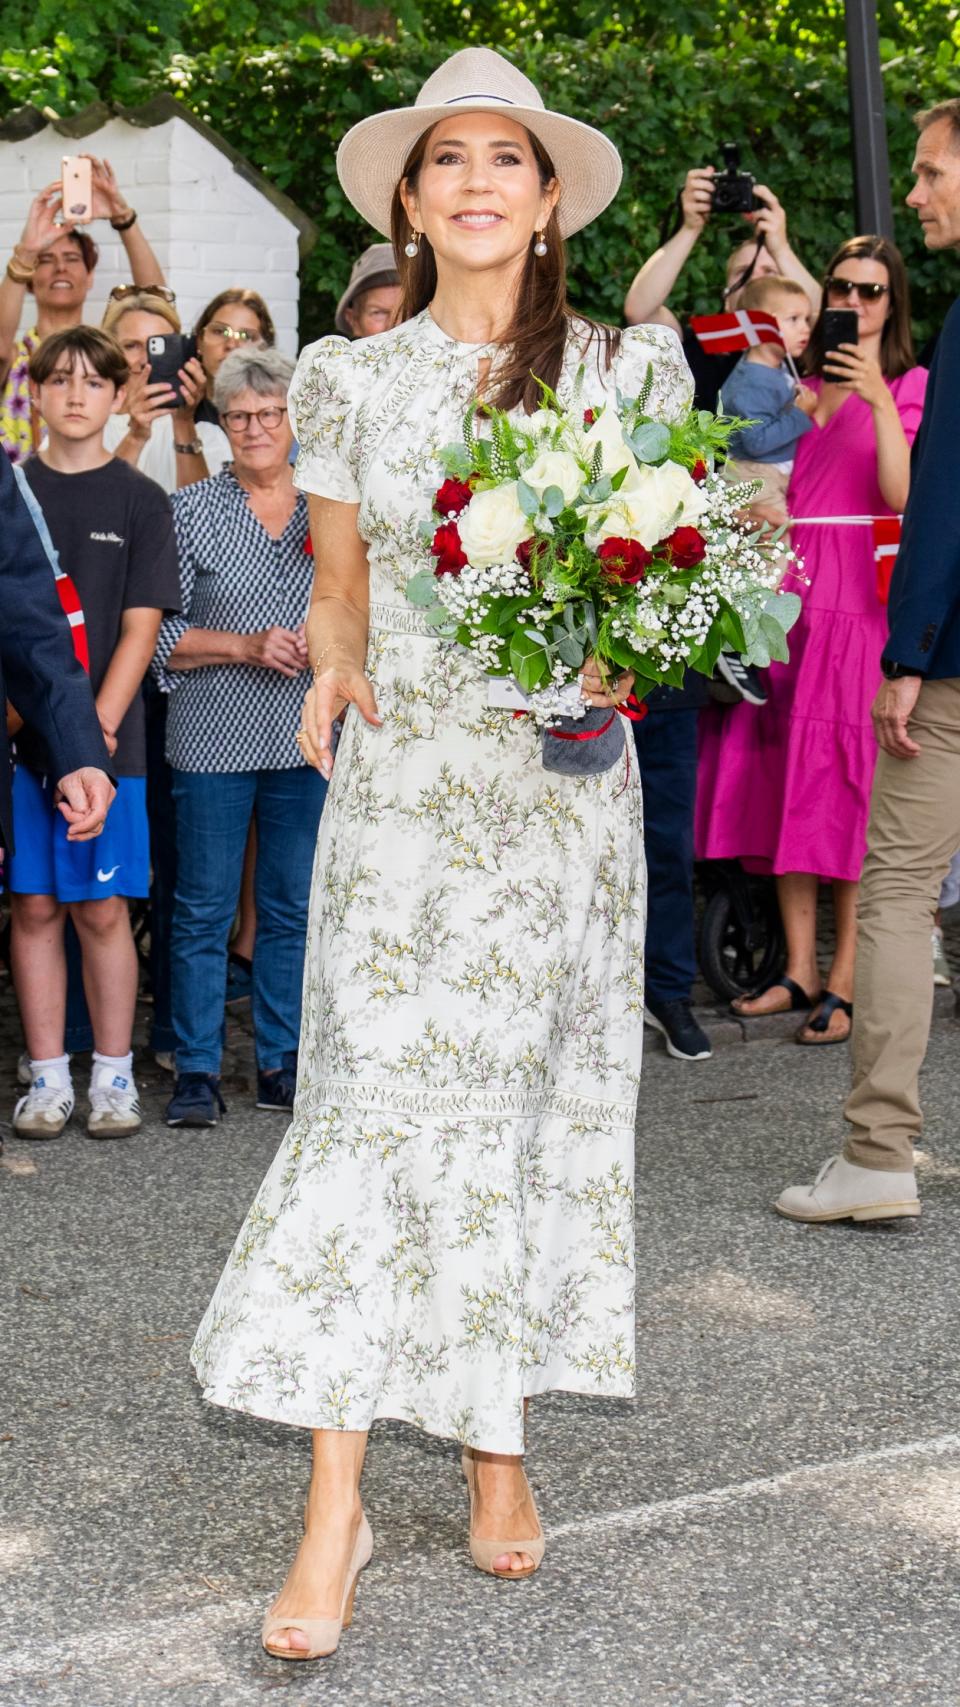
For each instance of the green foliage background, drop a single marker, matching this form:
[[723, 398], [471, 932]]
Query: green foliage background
[[669, 82]]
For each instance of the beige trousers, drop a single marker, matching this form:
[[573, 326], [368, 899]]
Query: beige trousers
[[914, 833]]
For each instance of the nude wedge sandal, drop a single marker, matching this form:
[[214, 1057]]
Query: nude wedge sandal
[[483, 1553], [323, 1634]]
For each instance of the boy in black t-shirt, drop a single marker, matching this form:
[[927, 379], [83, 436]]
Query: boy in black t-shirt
[[113, 532]]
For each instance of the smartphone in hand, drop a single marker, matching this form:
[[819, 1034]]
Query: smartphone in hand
[[167, 353], [76, 188], [840, 326]]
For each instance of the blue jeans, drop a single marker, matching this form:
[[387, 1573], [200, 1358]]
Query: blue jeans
[[213, 817], [667, 756]]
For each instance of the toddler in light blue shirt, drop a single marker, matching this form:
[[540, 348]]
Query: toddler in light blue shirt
[[761, 390]]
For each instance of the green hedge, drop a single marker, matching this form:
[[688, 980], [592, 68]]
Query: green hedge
[[666, 107]]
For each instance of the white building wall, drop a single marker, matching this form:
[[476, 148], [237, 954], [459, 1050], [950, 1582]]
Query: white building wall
[[208, 226]]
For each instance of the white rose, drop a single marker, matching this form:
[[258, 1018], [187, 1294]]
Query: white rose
[[615, 453], [543, 423], [554, 468], [493, 525], [648, 506]]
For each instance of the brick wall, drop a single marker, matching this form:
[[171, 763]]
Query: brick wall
[[208, 226]]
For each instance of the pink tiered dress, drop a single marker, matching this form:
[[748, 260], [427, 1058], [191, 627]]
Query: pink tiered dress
[[786, 786]]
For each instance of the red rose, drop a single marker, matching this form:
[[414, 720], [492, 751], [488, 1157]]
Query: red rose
[[685, 547], [453, 496], [589, 416], [699, 472], [529, 550], [448, 550], [624, 560]]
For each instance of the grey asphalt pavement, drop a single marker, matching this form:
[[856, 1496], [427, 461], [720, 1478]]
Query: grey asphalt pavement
[[774, 1523]]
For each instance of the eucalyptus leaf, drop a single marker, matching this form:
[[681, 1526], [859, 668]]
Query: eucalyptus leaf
[[422, 588], [776, 640], [600, 489], [570, 651], [527, 499], [674, 595], [650, 441], [784, 608], [553, 501]]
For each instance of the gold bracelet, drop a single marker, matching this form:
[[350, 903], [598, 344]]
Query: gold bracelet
[[18, 274]]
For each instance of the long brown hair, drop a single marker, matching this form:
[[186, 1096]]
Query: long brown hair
[[249, 299], [536, 337], [896, 344]]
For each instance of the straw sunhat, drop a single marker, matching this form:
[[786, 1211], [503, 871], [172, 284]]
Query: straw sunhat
[[376, 261], [371, 157]]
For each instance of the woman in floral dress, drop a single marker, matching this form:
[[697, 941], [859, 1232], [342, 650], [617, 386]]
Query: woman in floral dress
[[448, 1227]]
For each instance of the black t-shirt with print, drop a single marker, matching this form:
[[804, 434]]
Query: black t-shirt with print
[[113, 532]]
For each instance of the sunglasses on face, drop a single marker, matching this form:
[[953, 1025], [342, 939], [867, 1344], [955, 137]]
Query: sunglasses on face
[[238, 420], [120, 292], [845, 288], [232, 335]]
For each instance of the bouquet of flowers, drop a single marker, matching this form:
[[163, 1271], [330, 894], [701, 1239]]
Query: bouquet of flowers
[[597, 532]]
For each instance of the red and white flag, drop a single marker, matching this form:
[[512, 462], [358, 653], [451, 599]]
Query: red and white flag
[[740, 329], [886, 544], [73, 611]]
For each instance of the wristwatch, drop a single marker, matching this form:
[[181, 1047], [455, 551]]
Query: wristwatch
[[194, 448], [894, 672]]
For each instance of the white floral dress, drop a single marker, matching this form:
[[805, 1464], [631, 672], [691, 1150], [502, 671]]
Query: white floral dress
[[448, 1225]]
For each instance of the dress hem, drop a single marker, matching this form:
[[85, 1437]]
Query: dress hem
[[505, 1442]]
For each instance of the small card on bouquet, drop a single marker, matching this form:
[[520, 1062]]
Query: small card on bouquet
[[506, 693]]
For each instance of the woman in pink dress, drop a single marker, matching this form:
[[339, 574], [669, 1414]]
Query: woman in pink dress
[[786, 786]]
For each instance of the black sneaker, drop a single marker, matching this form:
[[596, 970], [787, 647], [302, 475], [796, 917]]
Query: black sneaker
[[741, 678], [196, 1101], [277, 1090], [686, 1040]]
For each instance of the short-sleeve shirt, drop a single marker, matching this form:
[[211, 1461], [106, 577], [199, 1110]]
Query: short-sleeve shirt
[[235, 577], [113, 533], [19, 426]]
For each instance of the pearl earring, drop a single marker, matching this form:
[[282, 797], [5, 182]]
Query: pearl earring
[[540, 246], [412, 249]]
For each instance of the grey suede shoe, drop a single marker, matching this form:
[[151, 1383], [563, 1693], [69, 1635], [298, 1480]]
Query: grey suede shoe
[[575, 746], [844, 1192]]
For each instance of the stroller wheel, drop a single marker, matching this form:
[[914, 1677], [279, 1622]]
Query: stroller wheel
[[741, 940]]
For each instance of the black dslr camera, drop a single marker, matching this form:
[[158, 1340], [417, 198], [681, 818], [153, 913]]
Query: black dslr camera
[[733, 190]]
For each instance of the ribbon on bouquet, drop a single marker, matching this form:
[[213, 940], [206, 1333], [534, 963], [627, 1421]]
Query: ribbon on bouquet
[[631, 708], [886, 541]]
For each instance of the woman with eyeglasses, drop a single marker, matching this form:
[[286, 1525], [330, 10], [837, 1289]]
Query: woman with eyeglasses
[[786, 787], [235, 666], [163, 441]]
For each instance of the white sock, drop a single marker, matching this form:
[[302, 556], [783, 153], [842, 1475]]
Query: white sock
[[55, 1071], [107, 1069]]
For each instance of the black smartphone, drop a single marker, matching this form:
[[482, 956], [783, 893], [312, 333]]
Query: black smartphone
[[167, 354], [840, 326]]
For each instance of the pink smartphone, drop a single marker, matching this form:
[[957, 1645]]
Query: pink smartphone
[[77, 188]]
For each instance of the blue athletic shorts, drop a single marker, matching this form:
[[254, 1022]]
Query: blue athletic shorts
[[117, 862]]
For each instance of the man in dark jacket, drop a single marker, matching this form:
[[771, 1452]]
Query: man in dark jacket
[[915, 812], [41, 677]]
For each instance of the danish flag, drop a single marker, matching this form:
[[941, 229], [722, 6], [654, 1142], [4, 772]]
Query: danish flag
[[73, 611], [886, 544], [739, 329]]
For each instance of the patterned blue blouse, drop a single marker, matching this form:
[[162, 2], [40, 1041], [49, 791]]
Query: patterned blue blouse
[[234, 576]]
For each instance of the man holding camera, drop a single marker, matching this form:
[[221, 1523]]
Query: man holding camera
[[705, 194], [915, 810]]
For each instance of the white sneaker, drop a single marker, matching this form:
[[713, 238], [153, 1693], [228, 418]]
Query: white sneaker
[[44, 1111], [942, 974], [114, 1108], [844, 1192]]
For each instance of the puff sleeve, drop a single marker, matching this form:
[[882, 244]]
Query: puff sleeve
[[323, 415], [642, 347]]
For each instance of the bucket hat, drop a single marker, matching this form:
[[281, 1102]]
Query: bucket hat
[[372, 264], [371, 157]]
